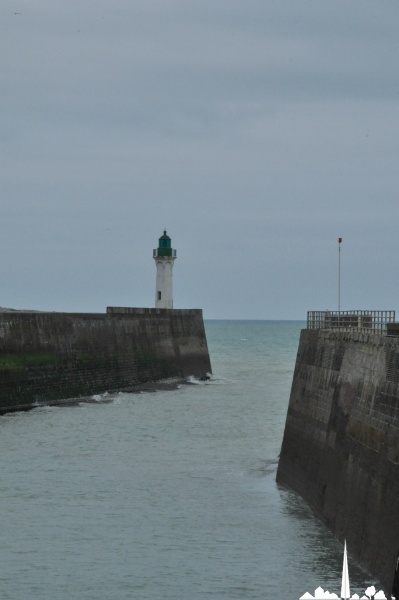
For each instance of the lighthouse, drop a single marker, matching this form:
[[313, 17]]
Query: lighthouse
[[164, 257]]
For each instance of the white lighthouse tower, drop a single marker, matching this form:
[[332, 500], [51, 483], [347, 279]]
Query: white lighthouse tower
[[164, 257]]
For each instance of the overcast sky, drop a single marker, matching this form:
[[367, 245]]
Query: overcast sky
[[256, 132]]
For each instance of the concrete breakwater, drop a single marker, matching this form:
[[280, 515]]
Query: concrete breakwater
[[340, 449], [47, 356]]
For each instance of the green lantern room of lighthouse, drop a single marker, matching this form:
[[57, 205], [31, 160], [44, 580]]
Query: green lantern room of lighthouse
[[165, 247]]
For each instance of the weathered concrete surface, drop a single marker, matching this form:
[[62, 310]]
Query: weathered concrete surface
[[340, 449], [52, 356]]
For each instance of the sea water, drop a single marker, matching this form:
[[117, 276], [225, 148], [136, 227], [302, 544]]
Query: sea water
[[166, 494]]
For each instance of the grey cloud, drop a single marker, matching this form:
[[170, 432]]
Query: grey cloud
[[255, 132]]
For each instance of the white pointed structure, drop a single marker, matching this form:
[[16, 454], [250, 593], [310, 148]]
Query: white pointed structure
[[164, 257], [370, 593], [345, 591]]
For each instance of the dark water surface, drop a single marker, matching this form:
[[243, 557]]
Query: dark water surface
[[169, 494]]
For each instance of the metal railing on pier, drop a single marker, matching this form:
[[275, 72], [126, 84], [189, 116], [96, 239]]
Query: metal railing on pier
[[347, 320]]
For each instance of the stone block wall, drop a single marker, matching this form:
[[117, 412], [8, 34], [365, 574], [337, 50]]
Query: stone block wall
[[340, 449], [53, 356]]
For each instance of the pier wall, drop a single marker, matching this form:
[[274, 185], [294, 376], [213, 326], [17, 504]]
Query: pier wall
[[340, 449], [48, 356]]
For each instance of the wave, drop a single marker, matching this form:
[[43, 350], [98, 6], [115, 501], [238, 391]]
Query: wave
[[208, 380], [265, 467], [100, 397]]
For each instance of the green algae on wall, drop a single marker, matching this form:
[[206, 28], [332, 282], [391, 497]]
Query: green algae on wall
[[14, 362], [54, 356]]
